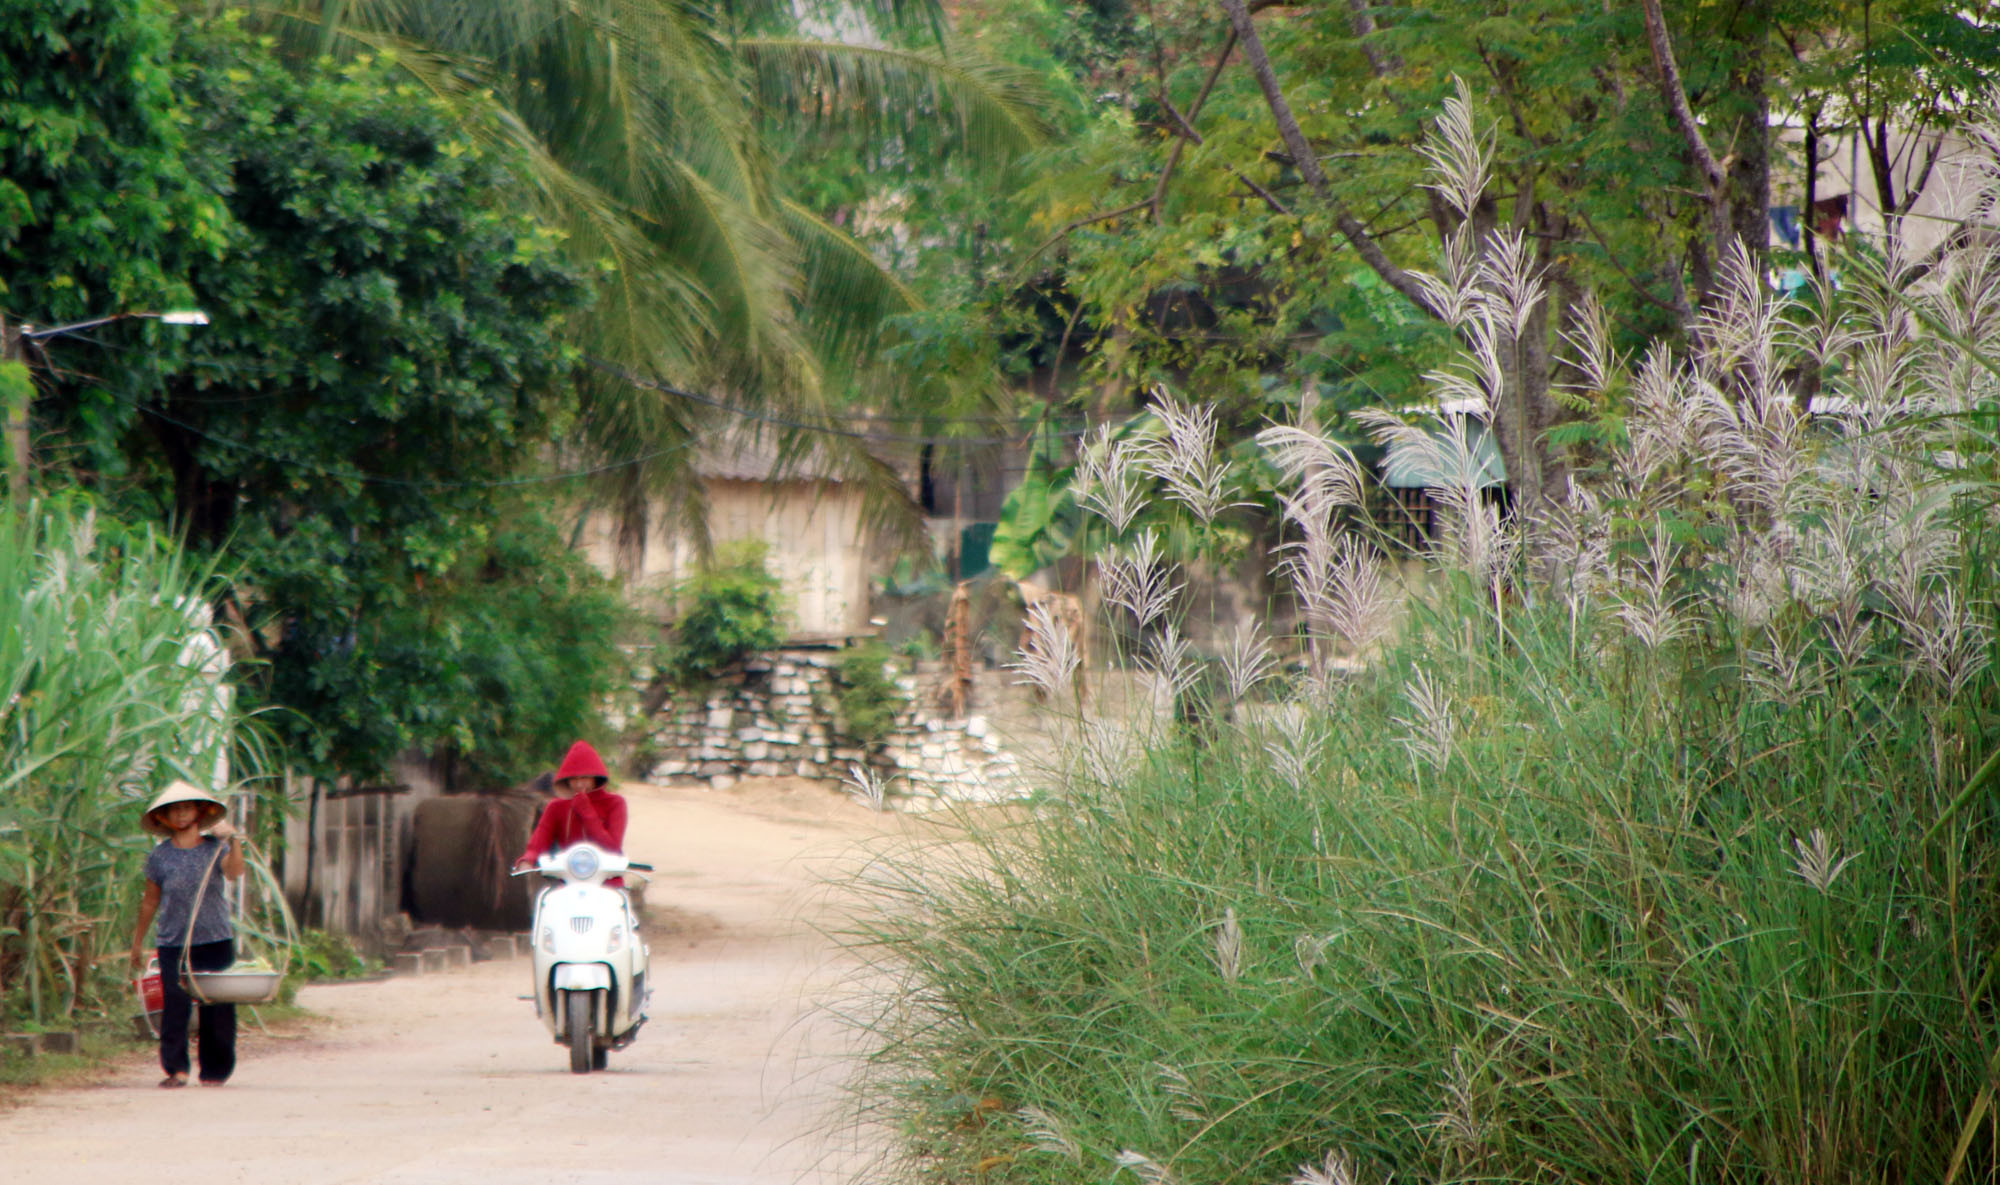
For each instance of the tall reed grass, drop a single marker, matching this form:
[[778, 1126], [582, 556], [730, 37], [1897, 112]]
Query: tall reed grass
[[1644, 852], [110, 685]]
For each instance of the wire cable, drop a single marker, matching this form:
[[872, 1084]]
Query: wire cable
[[666, 388], [406, 482]]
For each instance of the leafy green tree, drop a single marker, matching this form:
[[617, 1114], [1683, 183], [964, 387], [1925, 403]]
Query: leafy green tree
[[1249, 198], [644, 129], [358, 425], [97, 214]]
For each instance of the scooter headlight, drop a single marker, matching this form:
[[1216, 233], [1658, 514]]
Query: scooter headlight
[[582, 863], [616, 941]]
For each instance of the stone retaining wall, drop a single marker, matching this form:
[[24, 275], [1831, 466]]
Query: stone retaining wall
[[777, 715]]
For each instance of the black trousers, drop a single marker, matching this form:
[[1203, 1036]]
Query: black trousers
[[217, 1049]]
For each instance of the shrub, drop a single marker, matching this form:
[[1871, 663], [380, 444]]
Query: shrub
[[729, 610], [328, 955], [868, 696]]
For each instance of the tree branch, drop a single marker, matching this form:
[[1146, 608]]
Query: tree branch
[[1187, 124], [1364, 28], [1076, 223], [1675, 96], [1308, 164]]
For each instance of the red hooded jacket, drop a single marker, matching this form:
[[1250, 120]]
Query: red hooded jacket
[[595, 816]]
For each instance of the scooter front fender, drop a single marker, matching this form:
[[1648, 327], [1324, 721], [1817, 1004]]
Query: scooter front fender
[[581, 977]]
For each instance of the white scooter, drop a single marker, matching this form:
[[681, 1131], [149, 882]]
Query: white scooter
[[590, 962]]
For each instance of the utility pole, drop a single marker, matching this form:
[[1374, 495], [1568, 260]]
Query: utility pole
[[18, 389], [17, 385]]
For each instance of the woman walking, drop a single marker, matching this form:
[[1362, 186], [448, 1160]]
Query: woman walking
[[193, 934]]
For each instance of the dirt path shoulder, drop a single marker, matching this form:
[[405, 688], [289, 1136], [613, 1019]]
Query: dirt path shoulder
[[449, 1078]]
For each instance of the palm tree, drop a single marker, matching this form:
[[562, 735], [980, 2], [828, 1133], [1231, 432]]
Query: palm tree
[[642, 123]]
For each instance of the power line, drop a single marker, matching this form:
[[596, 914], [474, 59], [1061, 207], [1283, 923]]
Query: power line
[[748, 413], [406, 482]]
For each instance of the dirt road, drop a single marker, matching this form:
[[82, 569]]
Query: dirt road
[[447, 1079]]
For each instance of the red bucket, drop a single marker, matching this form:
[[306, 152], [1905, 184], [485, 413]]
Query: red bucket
[[150, 991]]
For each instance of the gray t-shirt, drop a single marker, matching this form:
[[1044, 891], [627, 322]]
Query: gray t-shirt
[[178, 872]]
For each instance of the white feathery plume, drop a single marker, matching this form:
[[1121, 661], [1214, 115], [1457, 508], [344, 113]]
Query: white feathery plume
[[1360, 609], [1148, 1170], [1950, 646], [1917, 550], [1758, 588], [1047, 1134], [1430, 729], [1816, 863], [1471, 536], [1594, 357], [1661, 428], [1474, 382], [1184, 1104], [1738, 330], [1454, 292], [1336, 1169], [1106, 479], [1966, 304], [1460, 1124], [1229, 946], [1830, 575], [1048, 657], [1684, 1017], [866, 787], [1170, 659], [1297, 750], [1647, 606], [1759, 445], [1781, 670], [1185, 460], [1247, 659], [1136, 579], [1108, 753], [1310, 950], [1459, 155], [1337, 579], [1321, 470], [1575, 535], [1819, 328], [1511, 275]]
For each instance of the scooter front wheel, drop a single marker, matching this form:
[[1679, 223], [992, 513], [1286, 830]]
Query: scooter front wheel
[[581, 1039]]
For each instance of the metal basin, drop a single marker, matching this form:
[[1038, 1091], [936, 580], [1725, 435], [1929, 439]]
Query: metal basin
[[238, 985]]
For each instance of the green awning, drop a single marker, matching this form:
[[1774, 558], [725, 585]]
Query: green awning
[[1405, 472]]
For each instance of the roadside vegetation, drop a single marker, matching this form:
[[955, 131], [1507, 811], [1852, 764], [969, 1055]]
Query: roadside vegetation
[[109, 683], [1658, 843]]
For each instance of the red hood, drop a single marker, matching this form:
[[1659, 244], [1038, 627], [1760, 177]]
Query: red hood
[[582, 761]]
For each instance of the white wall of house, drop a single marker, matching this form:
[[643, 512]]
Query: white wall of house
[[812, 530]]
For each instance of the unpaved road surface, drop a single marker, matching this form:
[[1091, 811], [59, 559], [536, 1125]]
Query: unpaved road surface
[[448, 1078]]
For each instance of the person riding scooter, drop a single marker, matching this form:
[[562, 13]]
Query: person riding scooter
[[584, 811]]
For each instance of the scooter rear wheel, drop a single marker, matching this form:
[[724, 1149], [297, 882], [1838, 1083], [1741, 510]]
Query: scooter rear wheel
[[582, 1055]]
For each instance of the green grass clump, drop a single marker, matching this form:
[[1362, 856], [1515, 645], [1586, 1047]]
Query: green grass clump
[[1597, 941]]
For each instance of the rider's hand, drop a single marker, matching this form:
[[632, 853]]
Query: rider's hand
[[223, 829], [138, 958]]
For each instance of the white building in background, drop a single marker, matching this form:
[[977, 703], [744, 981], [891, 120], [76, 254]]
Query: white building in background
[[808, 517], [1939, 166]]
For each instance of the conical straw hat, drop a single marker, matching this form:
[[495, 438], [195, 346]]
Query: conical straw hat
[[179, 791]]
